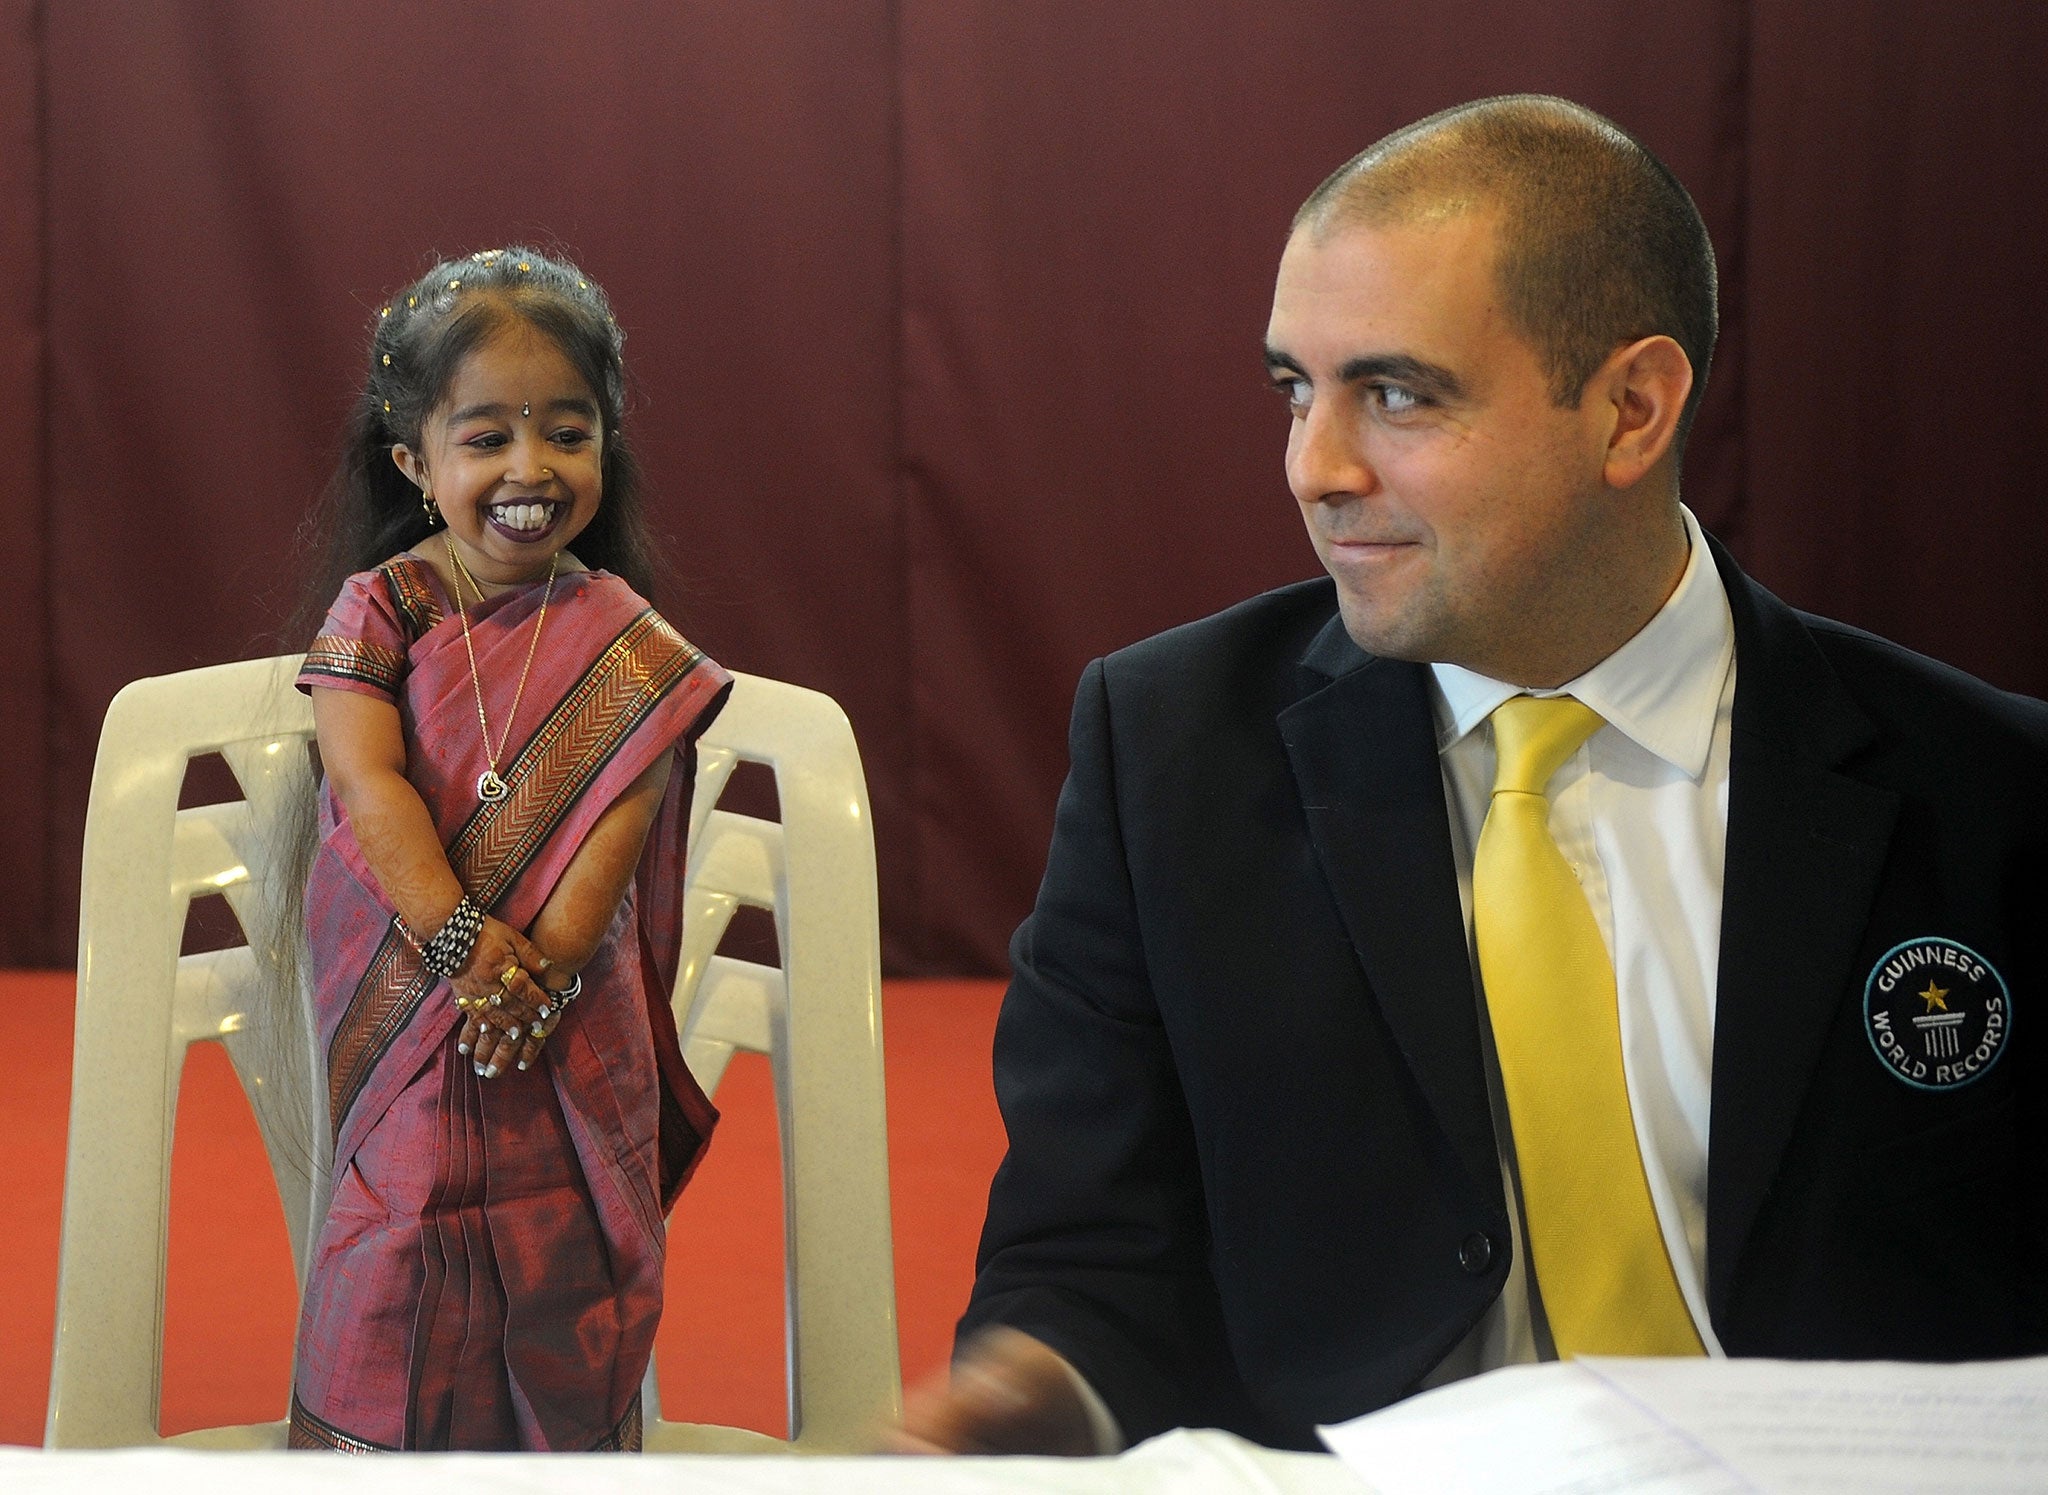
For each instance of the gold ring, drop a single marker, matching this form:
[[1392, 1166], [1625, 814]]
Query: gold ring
[[510, 971]]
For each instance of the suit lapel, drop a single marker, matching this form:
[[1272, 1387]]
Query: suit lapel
[[1806, 845], [1363, 750]]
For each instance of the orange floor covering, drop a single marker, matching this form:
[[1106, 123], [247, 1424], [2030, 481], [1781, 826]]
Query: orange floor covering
[[228, 1325]]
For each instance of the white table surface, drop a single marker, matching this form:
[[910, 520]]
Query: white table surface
[[1182, 1463]]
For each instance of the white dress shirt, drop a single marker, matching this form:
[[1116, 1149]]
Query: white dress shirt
[[1641, 813]]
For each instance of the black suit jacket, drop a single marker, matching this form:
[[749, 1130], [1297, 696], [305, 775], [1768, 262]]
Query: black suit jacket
[[1252, 1177]]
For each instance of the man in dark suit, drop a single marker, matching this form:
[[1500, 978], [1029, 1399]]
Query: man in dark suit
[[1272, 1160]]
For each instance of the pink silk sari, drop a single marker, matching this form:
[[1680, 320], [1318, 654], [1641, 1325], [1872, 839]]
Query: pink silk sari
[[489, 1274]]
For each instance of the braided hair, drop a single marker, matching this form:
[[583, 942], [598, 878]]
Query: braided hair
[[417, 343]]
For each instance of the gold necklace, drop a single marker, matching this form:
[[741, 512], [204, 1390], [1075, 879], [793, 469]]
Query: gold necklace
[[489, 787]]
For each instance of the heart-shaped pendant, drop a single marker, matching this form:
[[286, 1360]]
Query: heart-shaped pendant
[[489, 787]]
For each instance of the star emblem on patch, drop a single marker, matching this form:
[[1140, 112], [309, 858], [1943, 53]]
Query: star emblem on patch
[[1938, 1015]]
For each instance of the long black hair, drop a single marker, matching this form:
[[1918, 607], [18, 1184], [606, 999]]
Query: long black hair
[[418, 341]]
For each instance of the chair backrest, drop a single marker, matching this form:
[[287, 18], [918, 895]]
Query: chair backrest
[[145, 860], [818, 1017]]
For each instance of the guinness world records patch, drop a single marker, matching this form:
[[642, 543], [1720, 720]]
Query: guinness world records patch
[[1937, 1013]]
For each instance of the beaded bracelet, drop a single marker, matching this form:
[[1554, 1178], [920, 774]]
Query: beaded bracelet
[[558, 1001], [446, 952]]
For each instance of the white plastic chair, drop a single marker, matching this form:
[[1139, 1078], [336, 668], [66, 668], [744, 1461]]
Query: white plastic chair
[[145, 861], [818, 1018]]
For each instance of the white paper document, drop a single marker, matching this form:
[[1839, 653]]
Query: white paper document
[[1872, 1427], [1701, 1427], [1525, 1430]]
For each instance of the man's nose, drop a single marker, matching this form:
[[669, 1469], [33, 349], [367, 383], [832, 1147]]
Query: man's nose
[[1326, 460]]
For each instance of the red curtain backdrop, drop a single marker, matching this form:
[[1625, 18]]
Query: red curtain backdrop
[[945, 318], [26, 932]]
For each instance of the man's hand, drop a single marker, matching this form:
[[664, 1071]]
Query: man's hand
[[1006, 1393]]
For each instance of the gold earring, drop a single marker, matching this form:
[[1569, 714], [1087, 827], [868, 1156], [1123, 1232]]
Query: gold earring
[[427, 506]]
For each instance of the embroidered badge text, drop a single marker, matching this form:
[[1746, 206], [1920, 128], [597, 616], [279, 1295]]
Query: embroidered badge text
[[1937, 1013]]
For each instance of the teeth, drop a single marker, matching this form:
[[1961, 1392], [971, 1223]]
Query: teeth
[[521, 516]]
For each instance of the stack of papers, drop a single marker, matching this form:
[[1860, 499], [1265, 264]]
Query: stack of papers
[[1702, 1427]]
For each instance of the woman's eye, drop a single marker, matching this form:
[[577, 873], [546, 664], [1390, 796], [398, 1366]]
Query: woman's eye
[[485, 441], [570, 437]]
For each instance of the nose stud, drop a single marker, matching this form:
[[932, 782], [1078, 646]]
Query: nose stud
[[547, 472]]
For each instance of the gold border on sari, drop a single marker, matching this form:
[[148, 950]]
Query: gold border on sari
[[626, 1436], [355, 659], [311, 1432], [411, 594], [617, 693]]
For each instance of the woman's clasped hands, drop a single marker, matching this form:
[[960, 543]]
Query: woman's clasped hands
[[507, 1011]]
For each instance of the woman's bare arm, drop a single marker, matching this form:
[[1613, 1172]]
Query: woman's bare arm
[[362, 750], [579, 911], [583, 904]]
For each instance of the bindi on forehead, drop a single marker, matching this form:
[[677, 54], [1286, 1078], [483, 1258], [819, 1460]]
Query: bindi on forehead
[[504, 410], [512, 374]]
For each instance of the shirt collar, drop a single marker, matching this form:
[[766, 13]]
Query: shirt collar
[[1662, 689]]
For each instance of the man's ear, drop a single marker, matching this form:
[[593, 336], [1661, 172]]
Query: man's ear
[[410, 464], [1645, 385]]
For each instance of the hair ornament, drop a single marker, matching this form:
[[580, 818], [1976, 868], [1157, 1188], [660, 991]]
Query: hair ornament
[[454, 285], [524, 267], [387, 407], [411, 302], [384, 313], [582, 285], [387, 360]]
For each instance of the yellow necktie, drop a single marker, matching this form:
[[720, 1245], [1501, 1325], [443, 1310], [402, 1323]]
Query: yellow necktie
[[1598, 1255]]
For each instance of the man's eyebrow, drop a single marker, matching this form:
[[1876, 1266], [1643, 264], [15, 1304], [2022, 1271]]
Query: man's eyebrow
[[1431, 379]]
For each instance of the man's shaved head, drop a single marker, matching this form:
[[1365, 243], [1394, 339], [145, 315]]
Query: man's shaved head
[[1599, 244]]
